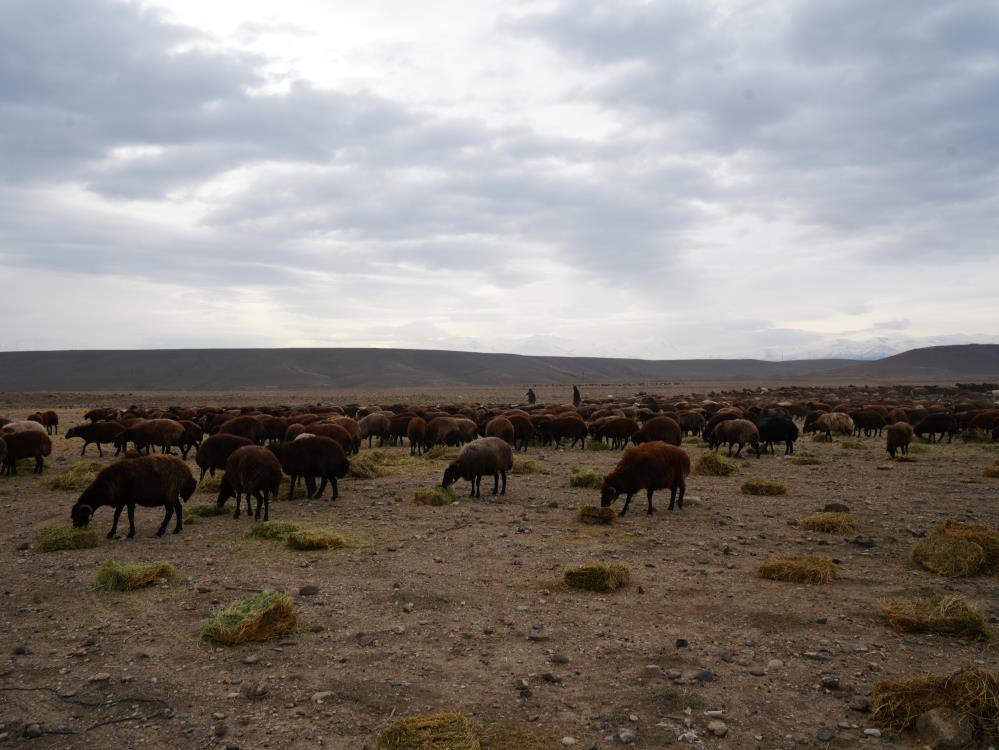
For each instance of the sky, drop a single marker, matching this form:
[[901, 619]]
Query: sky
[[615, 178]]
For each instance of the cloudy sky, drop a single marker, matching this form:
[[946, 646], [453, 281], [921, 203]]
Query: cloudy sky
[[654, 179]]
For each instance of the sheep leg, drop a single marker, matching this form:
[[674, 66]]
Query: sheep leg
[[266, 500], [39, 464], [683, 489], [166, 518], [239, 496], [322, 488], [651, 510], [114, 523], [627, 502], [83, 452], [336, 490], [179, 510], [503, 474], [131, 520], [495, 483]]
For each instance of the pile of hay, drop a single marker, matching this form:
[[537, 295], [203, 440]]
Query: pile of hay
[[958, 550], [918, 448], [586, 478], [210, 485], [376, 464], [592, 444], [53, 538], [804, 458], [852, 444], [593, 514], [441, 453], [830, 523], [972, 694], [205, 510], [443, 731], [435, 495], [598, 577], [114, 576], [256, 618], [811, 569], [77, 477], [710, 464], [762, 487], [315, 540], [271, 530], [528, 466], [946, 615]]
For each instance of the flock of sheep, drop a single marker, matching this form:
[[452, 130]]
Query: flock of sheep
[[257, 446]]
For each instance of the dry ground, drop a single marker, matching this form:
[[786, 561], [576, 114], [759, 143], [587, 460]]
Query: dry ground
[[447, 607]]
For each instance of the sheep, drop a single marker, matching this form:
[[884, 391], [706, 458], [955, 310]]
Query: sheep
[[735, 431], [102, 414], [398, 425], [352, 428], [95, 432], [48, 419], [215, 451], [247, 426], [326, 429], [443, 430], [619, 429], [27, 444], [192, 436], [416, 433], [650, 466], [811, 421], [3, 452], [467, 430], [568, 425], [722, 415], [665, 429], [899, 437], [24, 425], [945, 424], [780, 429], [254, 470], [488, 455], [152, 432], [834, 421], [377, 424], [273, 428], [523, 431], [502, 428], [870, 421], [149, 481], [692, 422], [310, 457]]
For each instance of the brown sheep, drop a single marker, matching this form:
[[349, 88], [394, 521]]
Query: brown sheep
[[328, 429], [48, 419], [443, 430], [375, 425], [253, 470], [692, 422], [246, 426], [568, 425], [650, 466], [215, 451], [416, 433], [274, 428], [899, 436], [618, 429], [523, 431], [352, 428], [3, 452], [834, 421], [149, 481], [467, 430], [500, 427], [735, 431], [665, 429], [488, 455], [27, 444], [192, 436], [95, 432], [311, 457], [398, 425], [164, 433], [104, 414]]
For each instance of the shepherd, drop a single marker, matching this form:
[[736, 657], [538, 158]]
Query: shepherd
[[576, 398], [531, 398]]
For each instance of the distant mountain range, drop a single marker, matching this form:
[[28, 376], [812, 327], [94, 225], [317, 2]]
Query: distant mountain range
[[221, 369]]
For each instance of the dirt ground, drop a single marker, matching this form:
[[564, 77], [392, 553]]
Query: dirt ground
[[449, 607]]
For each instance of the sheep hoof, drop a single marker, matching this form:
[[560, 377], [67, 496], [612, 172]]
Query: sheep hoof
[[158, 533], [109, 535], [621, 513], [650, 511], [176, 531]]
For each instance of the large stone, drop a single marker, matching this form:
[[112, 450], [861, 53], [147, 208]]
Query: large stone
[[942, 729]]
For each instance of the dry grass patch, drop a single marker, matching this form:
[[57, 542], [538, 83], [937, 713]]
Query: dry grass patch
[[710, 464], [852, 444], [76, 477], [598, 577], [210, 485], [762, 487], [443, 731], [528, 466], [315, 540], [921, 448], [972, 694], [991, 471], [376, 464], [592, 444], [53, 538], [441, 453], [586, 478], [958, 550], [435, 495], [810, 569], [205, 510], [255, 618], [271, 530], [113, 576], [500, 737], [905, 459], [946, 615], [804, 458], [593, 514], [830, 523]]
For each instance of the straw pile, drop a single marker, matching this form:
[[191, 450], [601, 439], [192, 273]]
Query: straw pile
[[435, 495], [598, 577], [314, 540], [53, 538], [255, 618], [76, 477], [972, 694], [114, 576], [443, 731], [271, 530], [710, 464], [810, 569], [762, 487], [958, 550], [830, 523], [946, 615], [593, 514]]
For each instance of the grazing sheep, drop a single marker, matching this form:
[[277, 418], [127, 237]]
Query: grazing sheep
[[442, 430], [192, 436], [328, 429], [27, 444], [95, 432], [311, 457], [467, 430], [619, 429], [811, 421], [692, 422], [650, 466], [899, 437], [502, 428], [777, 429], [661, 428], [869, 421], [568, 425], [352, 428], [834, 421], [376, 425], [398, 425], [735, 431], [3, 452], [247, 426], [253, 470], [722, 415], [24, 425], [146, 434], [105, 414], [416, 432], [488, 455], [523, 431], [274, 427], [944, 424], [215, 451], [48, 419], [149, 481]]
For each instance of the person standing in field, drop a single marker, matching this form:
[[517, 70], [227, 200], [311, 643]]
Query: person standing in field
[[576, 398], [531, 398]]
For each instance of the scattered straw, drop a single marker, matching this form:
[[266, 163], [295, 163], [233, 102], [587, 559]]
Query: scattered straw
[[314, 540], [53, 538], [811, 569], [435, 495], [804, 458], [500, 737], [592, 444], [443, 731], [900, 459], [918, 448], [206, 510], [255, 618], [593, 514], [210, 485], [528, 466], [114, 576], [971, 693], [830, 523], [852, 445], [958, 550], [581, 476], [991, 471], [76, 477], [376, 464], [441, 453], [271, 530], [947, 615], [598, 576], [710, 464], [762, 487]]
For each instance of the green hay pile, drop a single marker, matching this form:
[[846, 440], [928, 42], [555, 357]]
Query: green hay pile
[[804, 458], [376, 464], [810, 569], [206, 510], [946, 615], [593, 514], [443, 731], [918, 448], [499, 737], [441, 453], [691, 440], [77, 477], [710, 464], [972, 694], [435, 495], [210, 485], [852, 445], [958, 550], [528, 466], [581, 476], [114, 576], [255, 618], [820, 437], [830, 523], [991, 471], [592, 444], [271, 530], [762, 487], [314, 540], [598, 577], [53, 538]]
